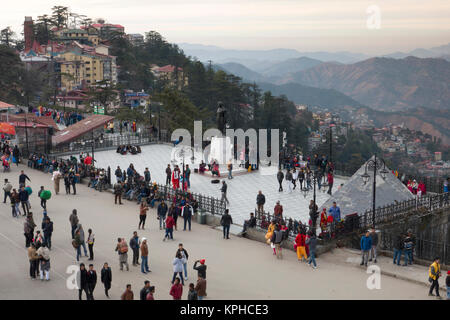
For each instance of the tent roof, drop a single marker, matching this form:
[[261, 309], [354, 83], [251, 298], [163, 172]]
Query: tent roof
[[4, 105], [356, 197], [80, 128]]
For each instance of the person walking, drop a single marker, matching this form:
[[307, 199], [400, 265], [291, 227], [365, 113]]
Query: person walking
[[187, 213], [187, 176], [7, 187], [289, 178], [128, 294], [434, 273], [23, 197], [22, 178], [280, 177], [178, 263], [106, 277], [311, 241], [226, 222], [200, 288], [147, 176], [91, 279], [33, 258], [330, 182], [122, 250], [223, 189], [76, 243], [169, 227], [15, 204], [145, 290], [162, 211], [73, 221], [28, 229], [47, 230], [90, 241], [44, 258], [82, 282], [313, 214], [230, 169], [142, 215], [277, 239], [80, 230], [134, 245], [118, 190], [181, 250], [176, 291], [43, 201], [366, 246], [260, 201], [144, 256]]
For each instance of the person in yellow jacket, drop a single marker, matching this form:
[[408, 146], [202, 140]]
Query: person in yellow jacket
[[270, 231], [434, 274]]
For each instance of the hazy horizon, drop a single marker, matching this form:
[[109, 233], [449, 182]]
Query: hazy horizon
[[322, 25]]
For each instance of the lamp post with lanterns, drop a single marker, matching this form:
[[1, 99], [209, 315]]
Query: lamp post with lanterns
[[375, 165]]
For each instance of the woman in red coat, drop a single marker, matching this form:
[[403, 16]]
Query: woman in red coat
[[177, 290], [176, 178]]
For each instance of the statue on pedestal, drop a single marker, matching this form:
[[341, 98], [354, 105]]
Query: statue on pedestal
[[221, 117]]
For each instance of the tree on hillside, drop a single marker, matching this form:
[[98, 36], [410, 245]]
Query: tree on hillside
[[103, 93], [6, 36], [59, 17]]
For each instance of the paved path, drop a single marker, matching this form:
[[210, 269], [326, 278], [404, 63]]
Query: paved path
[[242, 189], [237, 268]]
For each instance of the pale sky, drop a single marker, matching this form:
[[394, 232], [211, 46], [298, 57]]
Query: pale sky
[[305, 25]]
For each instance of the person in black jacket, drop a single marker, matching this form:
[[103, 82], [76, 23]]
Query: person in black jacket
[[22, 178], [280, 177], [82, 282], [226, 221], [145, 290], [47, 229], [106, 277], [23, 197], [91, 278]]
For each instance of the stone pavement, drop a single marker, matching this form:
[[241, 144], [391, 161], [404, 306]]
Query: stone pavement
[[237, 268], [412, 273], [242, 189]]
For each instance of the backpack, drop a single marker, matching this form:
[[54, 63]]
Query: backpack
[[123, 247], [75, 244]]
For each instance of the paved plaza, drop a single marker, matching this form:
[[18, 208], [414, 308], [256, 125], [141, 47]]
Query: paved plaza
[[242, 189], [237, 268]]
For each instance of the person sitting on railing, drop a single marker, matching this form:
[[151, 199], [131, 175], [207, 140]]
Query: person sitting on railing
[[421, 190], [156, 197], [215, 170], [270, 231], [250, 223], [145, 192]]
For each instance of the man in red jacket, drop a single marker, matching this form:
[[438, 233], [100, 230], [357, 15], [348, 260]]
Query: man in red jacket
[[170, 222], [176, 178], [177, 290]]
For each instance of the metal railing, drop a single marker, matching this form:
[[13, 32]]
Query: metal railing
[[206, 203], [425, 249], [394, 212], [109, 141], [331, 231]]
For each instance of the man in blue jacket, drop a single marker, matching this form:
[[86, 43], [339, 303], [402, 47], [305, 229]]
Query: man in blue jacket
[[335, 212], [366, 246]]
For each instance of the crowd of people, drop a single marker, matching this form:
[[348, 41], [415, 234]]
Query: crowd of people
[[124, 149]]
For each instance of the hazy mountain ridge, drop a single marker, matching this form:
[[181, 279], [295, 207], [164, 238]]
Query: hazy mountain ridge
[[385, 83]]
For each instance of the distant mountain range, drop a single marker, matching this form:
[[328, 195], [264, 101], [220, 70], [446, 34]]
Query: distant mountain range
[[435, 52], [249, 57], [385, 84]]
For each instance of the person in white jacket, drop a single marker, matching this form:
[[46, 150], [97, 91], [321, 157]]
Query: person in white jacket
[[178, 263]]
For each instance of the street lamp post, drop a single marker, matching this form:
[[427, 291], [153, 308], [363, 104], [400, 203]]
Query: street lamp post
[[376, 164]]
